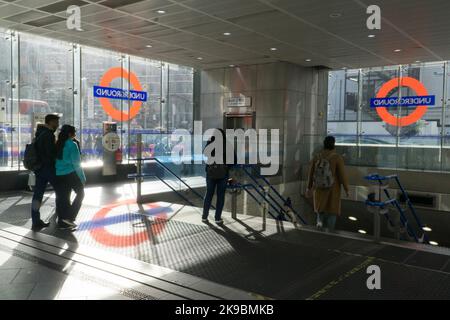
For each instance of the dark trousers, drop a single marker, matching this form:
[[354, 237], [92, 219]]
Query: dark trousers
[[211, 185], [65, 185], [44, 176]]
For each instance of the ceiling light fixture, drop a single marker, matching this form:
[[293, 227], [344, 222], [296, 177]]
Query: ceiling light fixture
[[227, 34], [307, 60], [199, 58], [426, 229], [397, 50], [362, 231], [161, 11], [232, 66], [352, 218], [273, 49], [418, 61], [149, 46], [371, 36]]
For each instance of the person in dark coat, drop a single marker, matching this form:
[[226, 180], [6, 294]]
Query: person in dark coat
[[217, 175], [46, 151]]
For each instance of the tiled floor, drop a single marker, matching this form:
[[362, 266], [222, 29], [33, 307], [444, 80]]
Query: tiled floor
[[277, 261], [21, 279]]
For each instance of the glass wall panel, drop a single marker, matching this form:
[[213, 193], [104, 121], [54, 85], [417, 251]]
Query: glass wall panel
[[422, 144], [374, 131], [6, 115], [40, 76], [94, 64], [377, 138], [148, 120], [180, 97], [46, 82], [343, 105], [446, 122]]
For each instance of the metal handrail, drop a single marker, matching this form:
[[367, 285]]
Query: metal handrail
[[133, 175], [403, 219], [416, 217], [281, 209], [245, 186], [173, 173], [274, 190]]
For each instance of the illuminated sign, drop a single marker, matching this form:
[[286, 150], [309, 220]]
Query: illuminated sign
[[239, 102], [104, 92], [402, 102], [421, 101], [115, 93]]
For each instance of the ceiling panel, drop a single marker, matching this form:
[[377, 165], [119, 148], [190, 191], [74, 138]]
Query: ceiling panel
[[298, 29], [62, 5]]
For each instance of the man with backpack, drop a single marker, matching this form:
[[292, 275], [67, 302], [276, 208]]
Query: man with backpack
[[41, 161], [326, 175]]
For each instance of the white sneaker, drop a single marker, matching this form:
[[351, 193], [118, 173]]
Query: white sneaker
[[219, 221], [319, 224], [204, 220]]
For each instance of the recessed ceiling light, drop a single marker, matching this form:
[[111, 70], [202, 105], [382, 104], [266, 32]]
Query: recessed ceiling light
[[418, 61], [352, 218], [307, 60], [227, 34], [397, 50], [161, 11], [362, 231], [426, 229], [335, 15], [232, 66], [434, 243], [273, 49], [371, 36], [199, 58], [149, 46]]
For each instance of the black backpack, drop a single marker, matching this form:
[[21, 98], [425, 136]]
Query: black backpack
[[31, 160]]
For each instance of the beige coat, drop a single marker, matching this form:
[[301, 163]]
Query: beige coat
[[329, 200]]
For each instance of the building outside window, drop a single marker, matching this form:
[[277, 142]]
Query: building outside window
[[369, 140], [40, 75]]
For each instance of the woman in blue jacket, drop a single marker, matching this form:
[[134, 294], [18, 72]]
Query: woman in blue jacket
[[69, 176]]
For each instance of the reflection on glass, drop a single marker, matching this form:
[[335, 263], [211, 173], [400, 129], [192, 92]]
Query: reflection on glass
[[5, 102], [422, 145], [46, 79]]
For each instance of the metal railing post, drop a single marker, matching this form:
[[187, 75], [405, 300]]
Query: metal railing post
[[376, 218], [139, 168], [265, 207], [234, 204]]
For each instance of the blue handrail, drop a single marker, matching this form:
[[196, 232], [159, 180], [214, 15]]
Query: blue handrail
[[393, 201]]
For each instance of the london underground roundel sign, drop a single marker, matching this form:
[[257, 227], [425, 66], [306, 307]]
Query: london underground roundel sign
[[105, 93], [421, 101]]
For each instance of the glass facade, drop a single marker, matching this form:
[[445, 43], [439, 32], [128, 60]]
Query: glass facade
[[367, 138], [40, 75]]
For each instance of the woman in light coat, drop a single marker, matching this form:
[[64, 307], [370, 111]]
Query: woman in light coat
[[327, 201]]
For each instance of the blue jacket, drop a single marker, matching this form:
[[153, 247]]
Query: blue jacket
[[70, 162]]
